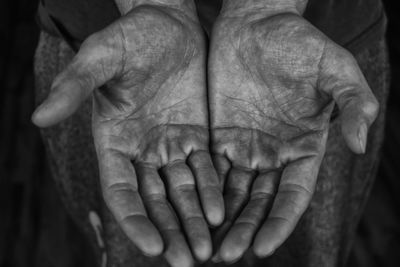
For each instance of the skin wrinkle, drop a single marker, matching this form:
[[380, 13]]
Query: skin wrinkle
[[232, 8], [278, 106], [178, 79], [243, 60], [268, 112], [153, 111], [148, 133], [296, 152], [123, 39], [121, 186], [155, 90]]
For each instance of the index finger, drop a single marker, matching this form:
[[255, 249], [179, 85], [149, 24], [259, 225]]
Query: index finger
[[208, 186], [183, 196], [293, 197], [120, 191]]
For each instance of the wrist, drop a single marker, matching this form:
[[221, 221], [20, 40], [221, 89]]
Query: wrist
[[188, 6], [233, 8]]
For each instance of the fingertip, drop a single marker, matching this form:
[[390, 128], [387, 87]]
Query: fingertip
[[150, 244], [355, 135], [203, 250], [177, 252], [216, 213], [213, 206], [262, 245], [45, 115], [180, 260], [154, 246], [230, 254], [371, 108], [236, 242], [262, 248], [36, 118], [261, 252], [144, 235], [356, 118], [53, 110]]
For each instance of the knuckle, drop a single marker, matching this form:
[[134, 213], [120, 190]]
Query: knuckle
[[246, 222], [295, 189], [371, 108], [185, 188], [177, 163], [262, 196], [155, 198], [120, 186], [199, 159]]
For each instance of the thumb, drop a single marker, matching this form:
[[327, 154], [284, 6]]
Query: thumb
[[94, 64], [342, 78]]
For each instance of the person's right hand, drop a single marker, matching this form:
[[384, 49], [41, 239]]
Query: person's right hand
[[150, 128]]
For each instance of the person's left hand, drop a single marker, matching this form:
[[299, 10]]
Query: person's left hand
[[150, 128], [273, 81]]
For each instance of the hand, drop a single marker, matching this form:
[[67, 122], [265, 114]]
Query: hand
[[273, 81], [149, 121]]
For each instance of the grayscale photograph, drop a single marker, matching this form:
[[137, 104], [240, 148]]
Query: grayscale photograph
[[199, 133]]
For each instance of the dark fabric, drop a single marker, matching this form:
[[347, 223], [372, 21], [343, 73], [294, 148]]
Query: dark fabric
[[33, 221], [346, 21], [79, 18], [351, 23]]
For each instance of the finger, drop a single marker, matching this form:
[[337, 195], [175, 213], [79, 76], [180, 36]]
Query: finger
[[151, 187], [91, 67], [293, 197], [119, 183], [237, 191], [222, 166], [236, 195], [240, 236], [208, 186], [357, 113], [343, 79], [183, 196]]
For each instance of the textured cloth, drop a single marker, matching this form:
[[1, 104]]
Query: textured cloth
[[325, 233], [343, 21]]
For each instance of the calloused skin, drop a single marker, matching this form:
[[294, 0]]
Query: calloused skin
[[273, 82], [150, 128]]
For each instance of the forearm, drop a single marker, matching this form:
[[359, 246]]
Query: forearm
[[187, 5], [236, 7]]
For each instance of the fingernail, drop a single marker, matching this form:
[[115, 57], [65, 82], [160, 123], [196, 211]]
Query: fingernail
[[362, 137]]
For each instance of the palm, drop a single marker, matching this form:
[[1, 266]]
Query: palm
[[158, 89], [269, 91], [154, 113], [269, 121], [149, 121]]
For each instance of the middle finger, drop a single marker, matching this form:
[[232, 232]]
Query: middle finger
[[240, 236], [184, 198], [152, 189]]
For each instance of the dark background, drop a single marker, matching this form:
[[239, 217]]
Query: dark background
[[34, 227]]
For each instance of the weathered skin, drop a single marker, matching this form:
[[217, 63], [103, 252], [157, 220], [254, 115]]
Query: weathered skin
[[153, 112], [273, 81]]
